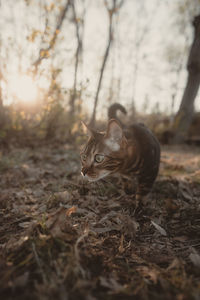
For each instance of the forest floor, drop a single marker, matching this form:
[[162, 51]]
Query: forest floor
[[62, 238]]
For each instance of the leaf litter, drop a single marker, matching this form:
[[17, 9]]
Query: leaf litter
[[61, 237]]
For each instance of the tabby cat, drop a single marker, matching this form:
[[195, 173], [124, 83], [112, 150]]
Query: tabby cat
[[132, 151]]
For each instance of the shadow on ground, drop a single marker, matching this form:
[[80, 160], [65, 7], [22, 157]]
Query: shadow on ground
[[62, 238]]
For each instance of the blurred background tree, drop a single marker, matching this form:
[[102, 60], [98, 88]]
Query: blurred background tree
[[63, 61], [185, 113], [115, 6]]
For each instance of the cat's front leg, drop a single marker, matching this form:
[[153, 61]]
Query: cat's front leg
[[143, 191]]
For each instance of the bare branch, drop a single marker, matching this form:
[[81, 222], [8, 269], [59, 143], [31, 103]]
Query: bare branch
[[111, 12], [78, 51], [43, 52]]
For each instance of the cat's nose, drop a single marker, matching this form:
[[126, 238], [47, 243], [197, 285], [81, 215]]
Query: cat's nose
[[84, 171]]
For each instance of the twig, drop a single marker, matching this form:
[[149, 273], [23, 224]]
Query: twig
[[186, 247], [55, 34], [76, 251], [39, 264]]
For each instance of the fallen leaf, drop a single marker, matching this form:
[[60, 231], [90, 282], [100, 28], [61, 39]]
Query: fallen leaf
[[175, 264], [185, 191], [195, 259], [63, 196], [110, 283], [171, 206], [71, 210], [149, 273], [59, 225], [121, 246], [21, 280], [159, 228]]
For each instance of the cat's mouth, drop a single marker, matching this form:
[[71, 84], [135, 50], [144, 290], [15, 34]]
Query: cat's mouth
[[93, 178]]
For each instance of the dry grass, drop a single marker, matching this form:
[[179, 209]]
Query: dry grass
[[61, 238]]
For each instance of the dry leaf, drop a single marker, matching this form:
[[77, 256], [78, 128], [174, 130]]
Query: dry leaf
[[185, 191], [121, 247], [59, 226], [175, 264], [195, 259], [63, 196], [151, 274], [110, 283], [21, 280], [159, 228], [71, 210]]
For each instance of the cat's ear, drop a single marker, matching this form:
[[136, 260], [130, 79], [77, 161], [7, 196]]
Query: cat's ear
[[87, 130], [114, 135]]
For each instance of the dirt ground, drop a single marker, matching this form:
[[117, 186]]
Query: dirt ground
[[62, 238]]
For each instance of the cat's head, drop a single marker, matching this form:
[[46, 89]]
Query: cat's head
[[103, 152]]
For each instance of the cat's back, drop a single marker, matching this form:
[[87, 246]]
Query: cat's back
[[142, 135], [146, 154], [146, 144]]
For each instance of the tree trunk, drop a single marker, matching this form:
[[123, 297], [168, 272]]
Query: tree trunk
[[185, 113], [77, 56], [110, 37], [93, 118], [2, 110]]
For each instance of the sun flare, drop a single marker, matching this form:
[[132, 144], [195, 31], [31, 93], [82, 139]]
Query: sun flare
[[24, 88]]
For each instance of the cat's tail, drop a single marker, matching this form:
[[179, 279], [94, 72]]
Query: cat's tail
[[112, 111]]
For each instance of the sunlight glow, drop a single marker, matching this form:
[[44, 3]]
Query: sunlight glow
[[24, 88]]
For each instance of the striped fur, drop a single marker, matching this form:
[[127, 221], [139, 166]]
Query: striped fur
[[132, 151]]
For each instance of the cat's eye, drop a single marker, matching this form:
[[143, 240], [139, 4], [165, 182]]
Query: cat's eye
[[83, 156], [99, 158]]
